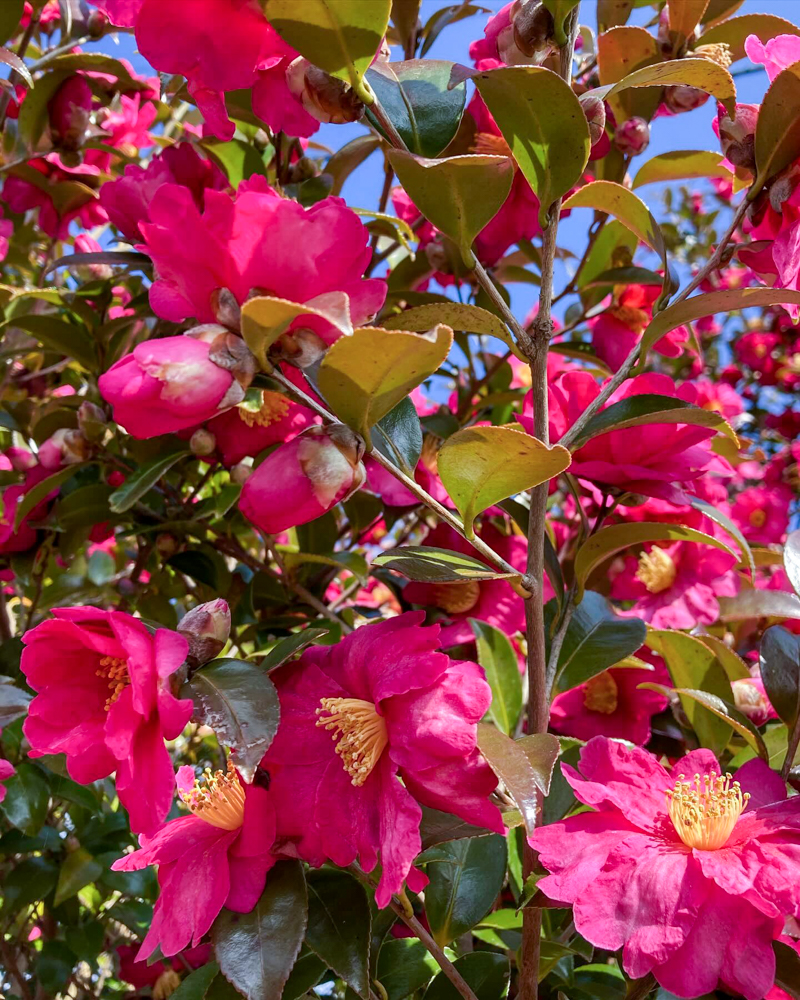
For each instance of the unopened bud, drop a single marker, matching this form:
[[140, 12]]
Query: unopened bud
[[92, 420], [751, 700], [206, 628], [323, 96], [301, 348], [680, 99], [303, 170], [632, 136], [533, 30], [66, 446], [226, 309], [595, 111], [166, 984], [737, 136], [166, 545], [69, 111], [84, 243], [202, 443], [240, 473], [96, 23], [783, 186]]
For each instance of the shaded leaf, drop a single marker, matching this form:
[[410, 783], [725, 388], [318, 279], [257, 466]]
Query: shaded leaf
[[704, 74], [725, 522], [42, 490], [13, 701], [33, 112], [28, 882], [730, 714], [339, 926], [194, 986], [612, 13], [735, 31], [620, 52], [78, 869], [10, 16], [525, 766], [27, 798], [345, 160], [237, 159], [265, 318], [240, 703], [780, 671], [486, 972], [284, 649], [59, 336], [431, 565], [459, 316], [733, 665], [778, 127], [306, 973], [144, 479], [440, 827], [13, 61], [404, 966], [398, 436], [684, 16], [759, 604], [497, 657], [787, 969]]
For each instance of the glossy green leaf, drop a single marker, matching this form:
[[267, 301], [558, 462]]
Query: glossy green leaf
[[497, 657], [57, 335], [428, 564], [733, 665], [440, 827], [681, 165], [735, 31], [285, 649], [459, 316], [78, 870], [479, 466], [419, 101], [10, 16], [722, 519], [759, 604], [194, 986], [237, 159], [36, 494], [560, 9], [345, 160], [144, 479], [620, 52], [485, 972], [543, 123], [404, 966], [780, 671], [610, 540], [704, 74], [459, 194], [693, 665], [525, 766], [728, 712], [365, 376], [27, 798], [265, 318], [650, 408], [13, 701], [306, 973], [398, 436], [33, 112], [340, 36], [28, 882], [240, 703], [464, 883], [791, 559], [256, 950], [778, 128], [339, 926]]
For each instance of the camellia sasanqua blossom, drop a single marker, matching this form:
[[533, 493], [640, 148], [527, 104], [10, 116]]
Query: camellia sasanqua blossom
[[6, 771], [690, 872], [218, 856], [382, 705], [104, 698]]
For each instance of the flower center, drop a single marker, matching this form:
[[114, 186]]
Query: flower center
[[493, 145], [115, 671], [166, 984], [635, 319], [600, 694], [359, 731], [758, 518], [273, 408], [218, 799], [456, 598], [657, 570], [704, 812]]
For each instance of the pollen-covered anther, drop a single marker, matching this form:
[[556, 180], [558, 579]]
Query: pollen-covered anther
[[704, 811], [457, 598], [601, 694], [359, 731], [114, 670], [657, 570], [487, 143], [274, 407], [217, 798]]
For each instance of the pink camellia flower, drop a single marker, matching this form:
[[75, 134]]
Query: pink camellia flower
[[762, 513], [222, 45], [620, 327], [24, 536], [370, 728], [759, 351], [169, 384], [689, 872], [776, 55], [6, 771], [104, 699], [69, 110], [21, 196], [304, 478], [256, 240], [492, 601], [6, 232], [676, 586], [252, 426], [219, 856], [717, 396], [661, 462]]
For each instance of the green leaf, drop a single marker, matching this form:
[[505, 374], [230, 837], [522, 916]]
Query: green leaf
[[58, 336], [543, 123], [759, 604], [708, 304], [28, 882], [10, 16], [97, 62], [79, 869], [620, 52], [612, 13], [497, 657], [194, 986], [728, 713], [13, 701], [33, 112], [265, 318], [339, 925], [416, 97], [240, 703], [725, 522], [681, 165], [560, 9], [525, 766], [27, 798], [440, 827], [480, 466], [13, 61], [608, 541], [704, 74], [42, 490], [650, 408], [778, 127], [306, 973], [735, 31], [791, 559], [144, 479], [345, 160], [427, 564], [596, 639], [339, 36], [284, 649], [780, 671], [365, 376], [459, 316], [464, 883], [486, 972], [54, 965], [693, 665], [459, 194], [256, 950], [238, 160], [733, 665], [719, 10], [405, 966], [398, 436]]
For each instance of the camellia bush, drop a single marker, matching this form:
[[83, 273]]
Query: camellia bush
[[367, 633]]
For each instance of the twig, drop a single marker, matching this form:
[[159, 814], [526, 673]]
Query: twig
[[302, 592], [521, 335], [716, 258], [791, 751]]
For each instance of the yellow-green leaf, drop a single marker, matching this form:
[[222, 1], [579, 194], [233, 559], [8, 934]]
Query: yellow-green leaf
[[458, 315], [481, 466], [684, 16], [719, 10], [459, 194], [735, 31], [364, 376], [265, 318], [612, 13], [681, 165], [700, 73], [621, 51], [544, 125], [560, 9], [778, 127]]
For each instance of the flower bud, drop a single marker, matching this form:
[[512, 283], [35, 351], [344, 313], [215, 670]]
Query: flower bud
[[240, 473], [737, 136], [96, 23], [206, 628], [202, 442], [595, 111], [67, 446], [226, 309], [90, 272], [323, 96], [69, 111], [301, 348], [92, 420], [304, 478], [679, 99], [166, 545], [751, 699], [166, 984], [533, 29], [632, 136]]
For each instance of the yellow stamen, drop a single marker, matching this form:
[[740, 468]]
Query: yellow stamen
[[360, 732], [657, 570], [166, 984], [704, 812], [635, 319], [219, 799], [600, 694], [493, 145], [274, 407], [457, 598], [115, 671], [758, 518]]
